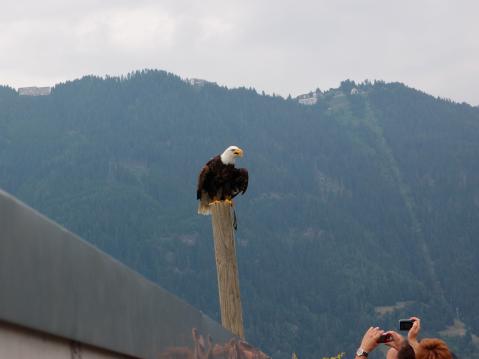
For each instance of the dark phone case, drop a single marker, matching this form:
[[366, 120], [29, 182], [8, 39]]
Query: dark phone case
[[405, 324], [385, 338]]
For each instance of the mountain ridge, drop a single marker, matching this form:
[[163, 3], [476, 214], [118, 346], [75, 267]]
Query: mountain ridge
[[199, 83]]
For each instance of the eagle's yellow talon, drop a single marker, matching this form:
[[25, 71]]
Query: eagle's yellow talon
[[229, 201]]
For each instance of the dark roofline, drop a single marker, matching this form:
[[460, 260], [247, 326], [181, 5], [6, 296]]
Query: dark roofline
[[55, 282]]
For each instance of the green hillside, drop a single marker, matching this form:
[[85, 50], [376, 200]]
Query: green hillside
[[362, 209]]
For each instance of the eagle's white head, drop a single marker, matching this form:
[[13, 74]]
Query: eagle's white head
[[228, 157]]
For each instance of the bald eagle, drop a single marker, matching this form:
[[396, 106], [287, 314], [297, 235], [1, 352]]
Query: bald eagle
[[219, 180]]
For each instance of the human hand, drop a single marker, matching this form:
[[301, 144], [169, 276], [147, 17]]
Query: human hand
[[392, 354], [370, 339], [397, 340], [414, 332]]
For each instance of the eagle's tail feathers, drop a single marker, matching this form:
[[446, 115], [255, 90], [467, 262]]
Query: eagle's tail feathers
[[204, 206]]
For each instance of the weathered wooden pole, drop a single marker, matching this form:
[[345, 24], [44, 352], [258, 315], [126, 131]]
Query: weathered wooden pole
[[227, 268]]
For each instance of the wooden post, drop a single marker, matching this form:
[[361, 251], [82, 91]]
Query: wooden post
[[227, 268]]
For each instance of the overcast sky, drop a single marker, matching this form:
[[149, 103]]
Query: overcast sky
[[285, 47]]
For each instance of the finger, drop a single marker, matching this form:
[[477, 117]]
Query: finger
[[393, 333], [416, 320]]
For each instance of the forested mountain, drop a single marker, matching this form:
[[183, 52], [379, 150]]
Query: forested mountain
[[363, 208]]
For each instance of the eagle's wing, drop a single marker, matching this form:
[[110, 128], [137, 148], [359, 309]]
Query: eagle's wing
[[240, 181], [243, 180], [201, 180]]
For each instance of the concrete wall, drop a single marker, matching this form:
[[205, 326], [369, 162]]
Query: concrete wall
[[20, 343]]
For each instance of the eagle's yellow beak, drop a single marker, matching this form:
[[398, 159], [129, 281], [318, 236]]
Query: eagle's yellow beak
[[238, 152]]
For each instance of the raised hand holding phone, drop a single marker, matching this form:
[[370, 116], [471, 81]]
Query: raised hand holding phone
[[414, 332], [397, 340]]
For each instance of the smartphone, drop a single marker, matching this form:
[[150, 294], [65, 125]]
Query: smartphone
[[405, 324], [385, 338]]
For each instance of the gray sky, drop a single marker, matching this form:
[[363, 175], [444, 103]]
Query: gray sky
[[286, 47]]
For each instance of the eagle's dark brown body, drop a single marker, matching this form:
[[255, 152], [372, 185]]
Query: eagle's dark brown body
[[218, 182]]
